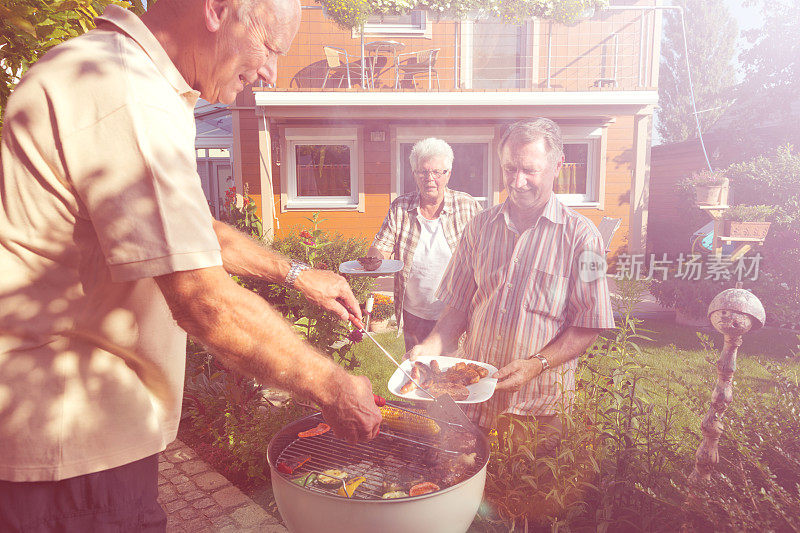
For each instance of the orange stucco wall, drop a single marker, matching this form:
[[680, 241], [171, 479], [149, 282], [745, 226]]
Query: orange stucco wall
[[619, 160]]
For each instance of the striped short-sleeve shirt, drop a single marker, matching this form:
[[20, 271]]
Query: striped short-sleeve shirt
[[520, 290]]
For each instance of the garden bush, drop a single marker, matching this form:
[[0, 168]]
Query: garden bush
[[228, 421], [767, 180], [624, 460]]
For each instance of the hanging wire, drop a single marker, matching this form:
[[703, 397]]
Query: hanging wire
[[688, 68]]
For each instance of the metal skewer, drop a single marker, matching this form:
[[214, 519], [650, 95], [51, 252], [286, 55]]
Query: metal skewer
[[360, 326]]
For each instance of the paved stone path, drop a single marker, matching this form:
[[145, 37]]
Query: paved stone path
[[198, 499]]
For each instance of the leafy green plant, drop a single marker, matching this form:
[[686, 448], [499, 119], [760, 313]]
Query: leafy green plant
[[689, 296], [749, 213], [227, 415]]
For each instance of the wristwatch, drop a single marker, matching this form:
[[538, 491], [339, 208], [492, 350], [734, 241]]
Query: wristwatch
[[294, 271], [542, 359]]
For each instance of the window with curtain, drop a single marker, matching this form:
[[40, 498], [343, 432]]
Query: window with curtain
[[574, 172], [321, 168]]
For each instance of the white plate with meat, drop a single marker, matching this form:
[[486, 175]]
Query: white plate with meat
[[454, 376], [387, 267]]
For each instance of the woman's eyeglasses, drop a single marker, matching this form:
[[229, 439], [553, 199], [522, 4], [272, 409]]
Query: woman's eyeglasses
[[434, 173]]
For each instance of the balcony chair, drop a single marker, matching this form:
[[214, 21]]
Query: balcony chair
[[337, 68], [310, 76], [416, 63], [608, 227]]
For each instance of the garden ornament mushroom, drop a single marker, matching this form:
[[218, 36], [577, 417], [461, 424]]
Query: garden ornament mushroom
[[733, 312]]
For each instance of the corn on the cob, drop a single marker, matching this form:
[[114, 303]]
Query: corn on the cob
[[403, 421]]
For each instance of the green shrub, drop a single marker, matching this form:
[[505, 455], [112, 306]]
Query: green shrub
[[691, 297], [749, 213], [769, 185], [624, 461], [227, 417]]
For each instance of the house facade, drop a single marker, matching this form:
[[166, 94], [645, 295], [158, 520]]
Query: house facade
[[335, 132]]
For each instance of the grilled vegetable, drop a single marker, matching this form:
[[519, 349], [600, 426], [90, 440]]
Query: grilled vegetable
[[394, 495], [332, 477], [423, 488], [305, 479], [320, 428], [287, 467], [351, 487], [405, 421], [391, 486]]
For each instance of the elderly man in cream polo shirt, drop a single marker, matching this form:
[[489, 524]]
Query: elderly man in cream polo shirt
[[108, 255]]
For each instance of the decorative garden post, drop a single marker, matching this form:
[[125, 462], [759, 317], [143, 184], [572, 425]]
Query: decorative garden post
[[733, 312]]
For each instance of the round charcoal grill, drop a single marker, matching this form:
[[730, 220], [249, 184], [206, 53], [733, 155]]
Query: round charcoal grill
[[391, 457]]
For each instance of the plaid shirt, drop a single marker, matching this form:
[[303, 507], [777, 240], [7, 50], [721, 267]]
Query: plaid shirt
[[400, 232], [520, 291]]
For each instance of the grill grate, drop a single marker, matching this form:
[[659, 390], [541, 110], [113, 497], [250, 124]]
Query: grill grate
[[383, 459]]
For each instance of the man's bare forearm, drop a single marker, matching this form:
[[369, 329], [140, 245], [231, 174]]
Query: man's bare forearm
[[245, 332], [571, 343], [243, 256], [252, 338]]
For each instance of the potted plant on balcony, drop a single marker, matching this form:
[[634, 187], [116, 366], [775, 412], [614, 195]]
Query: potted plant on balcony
[[708, 186], [747, 221]]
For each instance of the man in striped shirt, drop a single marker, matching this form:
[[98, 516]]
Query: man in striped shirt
[[527, 285]]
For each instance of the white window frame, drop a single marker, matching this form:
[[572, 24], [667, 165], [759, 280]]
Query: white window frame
[[326, 136], [423, 29], [452, 135], [592, 136]]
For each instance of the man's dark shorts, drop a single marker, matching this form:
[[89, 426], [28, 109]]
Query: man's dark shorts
[[122, 499]]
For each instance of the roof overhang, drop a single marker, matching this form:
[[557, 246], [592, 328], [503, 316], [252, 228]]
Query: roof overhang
[[455, 104]]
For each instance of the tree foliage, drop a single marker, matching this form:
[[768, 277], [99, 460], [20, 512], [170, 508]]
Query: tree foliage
[[29, 28], [711, 34], [769, 96]]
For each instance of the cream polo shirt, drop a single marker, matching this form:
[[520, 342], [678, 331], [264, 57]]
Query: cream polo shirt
[[100, 193]]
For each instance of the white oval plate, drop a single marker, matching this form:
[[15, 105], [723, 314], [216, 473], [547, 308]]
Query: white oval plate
[[478, 392], [388, 266]]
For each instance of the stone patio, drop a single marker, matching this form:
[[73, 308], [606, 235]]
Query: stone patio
[[198, 499]]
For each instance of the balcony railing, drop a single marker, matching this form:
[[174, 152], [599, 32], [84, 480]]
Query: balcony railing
[[614, 50]]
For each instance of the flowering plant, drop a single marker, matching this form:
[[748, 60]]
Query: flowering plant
[[245, 217], [382, 307], [351, 14]]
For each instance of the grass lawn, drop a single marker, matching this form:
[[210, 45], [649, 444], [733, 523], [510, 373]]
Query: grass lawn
[[374, 364]]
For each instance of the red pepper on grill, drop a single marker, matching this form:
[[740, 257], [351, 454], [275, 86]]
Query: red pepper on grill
[[321, 428], [288, 467], [423, 488]]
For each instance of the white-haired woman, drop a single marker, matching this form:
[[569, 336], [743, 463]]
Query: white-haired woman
[[422, 229]]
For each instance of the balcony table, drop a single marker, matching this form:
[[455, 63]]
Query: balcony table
[[378, 55]]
